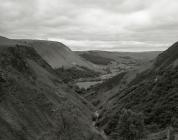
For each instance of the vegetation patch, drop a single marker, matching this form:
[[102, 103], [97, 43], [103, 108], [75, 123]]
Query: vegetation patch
[[71, 74], [96, 59]]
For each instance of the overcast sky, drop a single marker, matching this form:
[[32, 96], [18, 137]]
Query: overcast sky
[[114, 25]]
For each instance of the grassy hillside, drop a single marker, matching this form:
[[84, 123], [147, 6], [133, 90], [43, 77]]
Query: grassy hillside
[[56, 54], [100, 93], [35, 104], [153, 92]]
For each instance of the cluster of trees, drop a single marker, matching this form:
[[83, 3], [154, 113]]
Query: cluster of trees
[[157, 100], [110, 83], [130, 126], [71, 74], [99, 60]]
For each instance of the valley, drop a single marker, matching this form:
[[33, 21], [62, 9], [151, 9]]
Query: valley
[[49, 92], [88, 70], [88, 82], [114, 63]]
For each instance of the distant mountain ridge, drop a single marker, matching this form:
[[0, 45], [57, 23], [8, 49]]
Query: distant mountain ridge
[[120, 56], [117, 62]]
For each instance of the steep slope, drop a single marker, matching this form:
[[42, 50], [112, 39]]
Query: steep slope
[[54, 53], [99, 94], [153, 92], [168, 57], [35, 104], [57, 54]]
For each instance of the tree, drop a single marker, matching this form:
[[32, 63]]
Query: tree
[[130, 126]]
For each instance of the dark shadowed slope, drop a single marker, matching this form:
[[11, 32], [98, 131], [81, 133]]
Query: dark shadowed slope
[[35, 104], [168, 57], [153, 92]]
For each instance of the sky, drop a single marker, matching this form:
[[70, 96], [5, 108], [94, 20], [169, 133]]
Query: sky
[[111, 25]]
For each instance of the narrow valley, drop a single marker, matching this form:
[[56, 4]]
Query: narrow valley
[[88, 70]]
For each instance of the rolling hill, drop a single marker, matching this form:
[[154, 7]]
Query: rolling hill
[[105, 57], [117, 62]]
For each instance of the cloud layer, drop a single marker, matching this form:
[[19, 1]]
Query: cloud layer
[[114, 25]]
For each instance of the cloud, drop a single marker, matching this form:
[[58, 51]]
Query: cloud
[[123, 46], [115, 25]]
